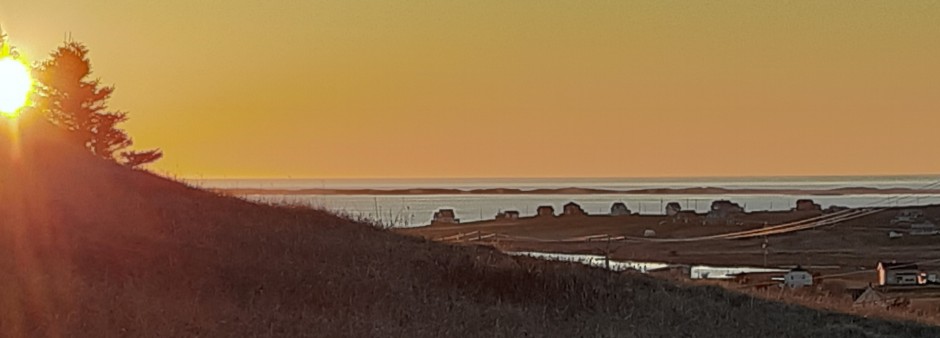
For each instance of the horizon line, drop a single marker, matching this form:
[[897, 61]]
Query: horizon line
[[289, 177]]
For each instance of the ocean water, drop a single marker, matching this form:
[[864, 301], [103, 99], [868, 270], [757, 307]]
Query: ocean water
[[695, 271], [416, 210], [820, 182]]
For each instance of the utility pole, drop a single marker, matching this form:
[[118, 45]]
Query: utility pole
[[607, 255], [766, 247]]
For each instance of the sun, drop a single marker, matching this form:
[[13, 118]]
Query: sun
[[15, 85]]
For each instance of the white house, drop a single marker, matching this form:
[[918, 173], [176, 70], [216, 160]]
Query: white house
[[797, 278]]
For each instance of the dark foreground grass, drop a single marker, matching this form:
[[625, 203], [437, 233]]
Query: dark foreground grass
[[90, 249]]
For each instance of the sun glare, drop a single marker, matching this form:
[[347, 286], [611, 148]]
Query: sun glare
[[15, 85]]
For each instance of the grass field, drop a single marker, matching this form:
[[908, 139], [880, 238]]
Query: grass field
[[91, 249]]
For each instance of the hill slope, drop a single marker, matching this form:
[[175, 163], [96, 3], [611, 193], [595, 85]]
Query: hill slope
[[93, 249]]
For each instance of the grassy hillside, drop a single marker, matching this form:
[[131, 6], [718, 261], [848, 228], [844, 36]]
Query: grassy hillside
[[93, 249]]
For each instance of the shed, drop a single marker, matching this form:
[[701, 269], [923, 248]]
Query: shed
[[797, 278], [649, 233]]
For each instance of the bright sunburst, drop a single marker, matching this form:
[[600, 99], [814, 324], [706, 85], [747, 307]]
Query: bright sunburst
[[15, 85]]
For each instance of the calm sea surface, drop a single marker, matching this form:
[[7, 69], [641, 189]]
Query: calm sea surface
[[416, 210]]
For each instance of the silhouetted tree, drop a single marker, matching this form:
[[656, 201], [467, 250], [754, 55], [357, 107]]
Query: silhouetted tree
[[72, 101], [5, 48]]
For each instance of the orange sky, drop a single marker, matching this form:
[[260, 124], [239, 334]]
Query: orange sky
[[354, 88]]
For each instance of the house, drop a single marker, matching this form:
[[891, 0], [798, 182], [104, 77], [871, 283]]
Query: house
[[807, 205], [673, 209], [797, 278], [444, 216], [545, 211], [908, 216], [894, 273], [572, 209], [723, 212], [926, 228], [508, 215], [619, 209]]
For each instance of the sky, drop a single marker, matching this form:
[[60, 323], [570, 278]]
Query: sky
[[524, 88]]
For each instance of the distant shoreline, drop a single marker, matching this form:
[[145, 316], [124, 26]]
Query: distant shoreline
[[581, 191]]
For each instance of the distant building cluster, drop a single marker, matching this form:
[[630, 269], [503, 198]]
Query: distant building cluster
[[895, 273], [721, 212], [912, 222]]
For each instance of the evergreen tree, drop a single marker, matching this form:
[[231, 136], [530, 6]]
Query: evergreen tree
[[74, 102]]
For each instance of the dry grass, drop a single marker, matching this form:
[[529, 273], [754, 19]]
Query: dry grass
[[91, 249]]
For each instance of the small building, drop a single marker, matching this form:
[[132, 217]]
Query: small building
[[572, 209], [673, 209], [445, 216], [649, 233], [619, 209], [723, 212], [508, 215], [926, 228], [545, 211], [894, 273], [797, 278], [807, 205]]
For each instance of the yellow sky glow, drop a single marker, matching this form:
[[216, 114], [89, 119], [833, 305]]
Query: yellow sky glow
[[493, 88]]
